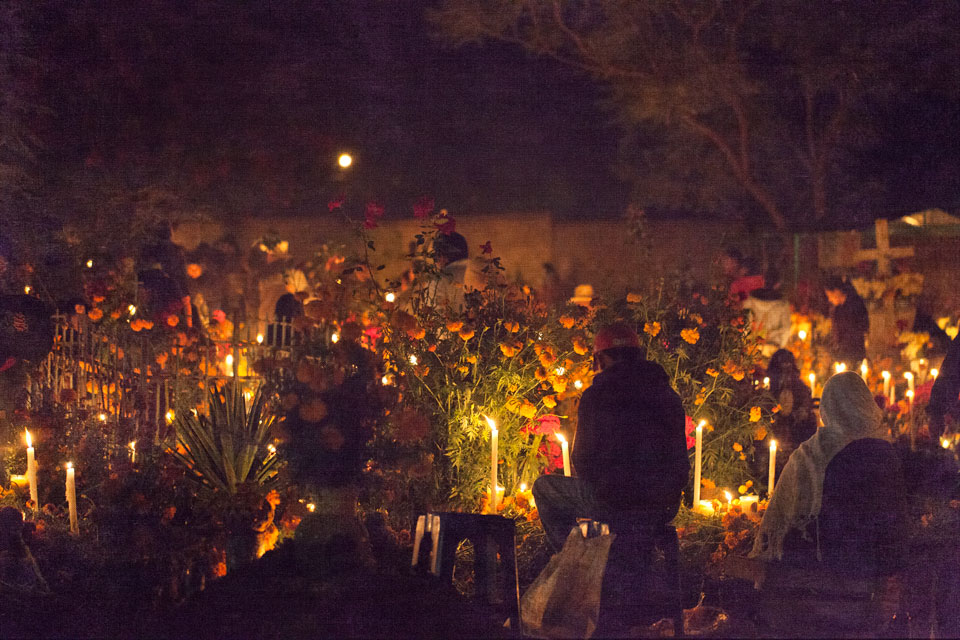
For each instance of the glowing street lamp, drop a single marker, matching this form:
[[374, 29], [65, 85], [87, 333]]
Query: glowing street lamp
[[345, 160]]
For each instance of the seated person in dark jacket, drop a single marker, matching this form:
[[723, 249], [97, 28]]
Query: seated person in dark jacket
[[630, 452], [796, 420], [840, 503]]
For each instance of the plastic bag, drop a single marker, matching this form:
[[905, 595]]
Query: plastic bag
[[564, 600]]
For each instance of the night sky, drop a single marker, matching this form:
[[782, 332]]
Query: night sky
[[241, 108]]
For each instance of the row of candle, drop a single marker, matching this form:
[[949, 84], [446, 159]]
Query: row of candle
[[495, 455], [698, 468], [71, 483]]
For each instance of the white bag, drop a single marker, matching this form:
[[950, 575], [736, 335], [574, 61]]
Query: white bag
[[564, 600]]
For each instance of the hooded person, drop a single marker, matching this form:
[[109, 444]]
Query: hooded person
[[801, 519], [630, 452]]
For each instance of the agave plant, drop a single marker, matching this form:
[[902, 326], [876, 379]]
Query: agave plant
[[228, 447]]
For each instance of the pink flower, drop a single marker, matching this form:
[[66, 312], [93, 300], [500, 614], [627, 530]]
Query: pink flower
[[423, 207], [689, 428], [545, 424], [374, 213], [336, 203], [448, 226], [486, 248]]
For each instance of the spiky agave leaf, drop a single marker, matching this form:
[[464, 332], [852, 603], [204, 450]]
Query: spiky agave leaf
[[225, 449]]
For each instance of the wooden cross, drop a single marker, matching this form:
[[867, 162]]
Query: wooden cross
[[884, 253]]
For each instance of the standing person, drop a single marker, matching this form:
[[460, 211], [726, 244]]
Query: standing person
[[457, 275], [743, 274], [769, 315], [849, 321], [945, 391], [630, 451]]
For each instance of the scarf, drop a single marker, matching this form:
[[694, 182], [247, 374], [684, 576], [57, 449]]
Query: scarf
[[849, 413]]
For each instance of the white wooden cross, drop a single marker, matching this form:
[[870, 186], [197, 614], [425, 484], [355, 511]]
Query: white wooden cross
[[884, 253]]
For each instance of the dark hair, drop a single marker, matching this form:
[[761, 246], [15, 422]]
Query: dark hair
[[288, 307], [623, 354], [834, 283], [733, 253], [782, 367], [451, 246]]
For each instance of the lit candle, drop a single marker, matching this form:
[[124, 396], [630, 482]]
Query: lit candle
[[910, 400], [697, 462], [893, 394], [944, 443], [32, 472], [813, 382], [839, 367], [934, 373], [565, 451], [802, 335], [746, 501], [72, 497], [886, 383], [766, 383], [228, 361], [909, 376], [863, 370], [729, 497], [493, 464], [706, 507], [133, 452], [773, 467]]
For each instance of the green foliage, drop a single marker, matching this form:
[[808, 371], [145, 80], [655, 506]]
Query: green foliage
[[227, 448]]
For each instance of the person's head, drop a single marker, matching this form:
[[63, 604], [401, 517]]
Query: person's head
[[731, 262], [449, 247], [836, 290], [848, 405], [783, 363], [614, 343]]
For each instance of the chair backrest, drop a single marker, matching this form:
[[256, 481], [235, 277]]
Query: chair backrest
[[863, 518]]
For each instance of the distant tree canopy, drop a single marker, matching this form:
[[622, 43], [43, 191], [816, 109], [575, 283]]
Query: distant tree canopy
[[758, 108]]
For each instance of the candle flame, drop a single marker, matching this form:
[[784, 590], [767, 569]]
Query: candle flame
[[271, 448], [385, 380], [702, 424], [89, 264], [29, 440], [766, 383], [908, 375], [390, 297], [523, 486], [802, 334], [229, 360], [170, 415], [27, 289], [102, 417], [910, 393], [813, 378], [773, 445], [560, 437], [311, 507], [839, 367], [885, 374], [259, 338], [577, 384], [133, 445], [945, 443], [560, 371], [69, 465], [864, 369], [728, 495], [934, 373], [335, 338], [413, 360], [132, 309], [491, 422]]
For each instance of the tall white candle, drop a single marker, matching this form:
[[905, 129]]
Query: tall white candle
[[494, 455], [864, 369], [32, 472], [565, 452], [910, 400], [697, 464], [886, 383], [773, 467], [72, 497], [909, 376], [893, 394], [813, 383], [133, 452]]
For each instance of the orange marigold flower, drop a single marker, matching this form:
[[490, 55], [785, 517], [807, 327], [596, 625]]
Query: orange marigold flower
[[512, 327], [136, 324], [690, 335], [549, 402], [559, 386], [173, 321], [540, 374], [755, 414], [547, 358], [634, 297], [454, 326], [713, 373], [580, 346], [508, 350], [472, 359], [737, 446], [98, 299], [466, 334], [651, 328], [707, 483], [566, 322], [146, 324], [194, 270], [527, 410], [417, 334]]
